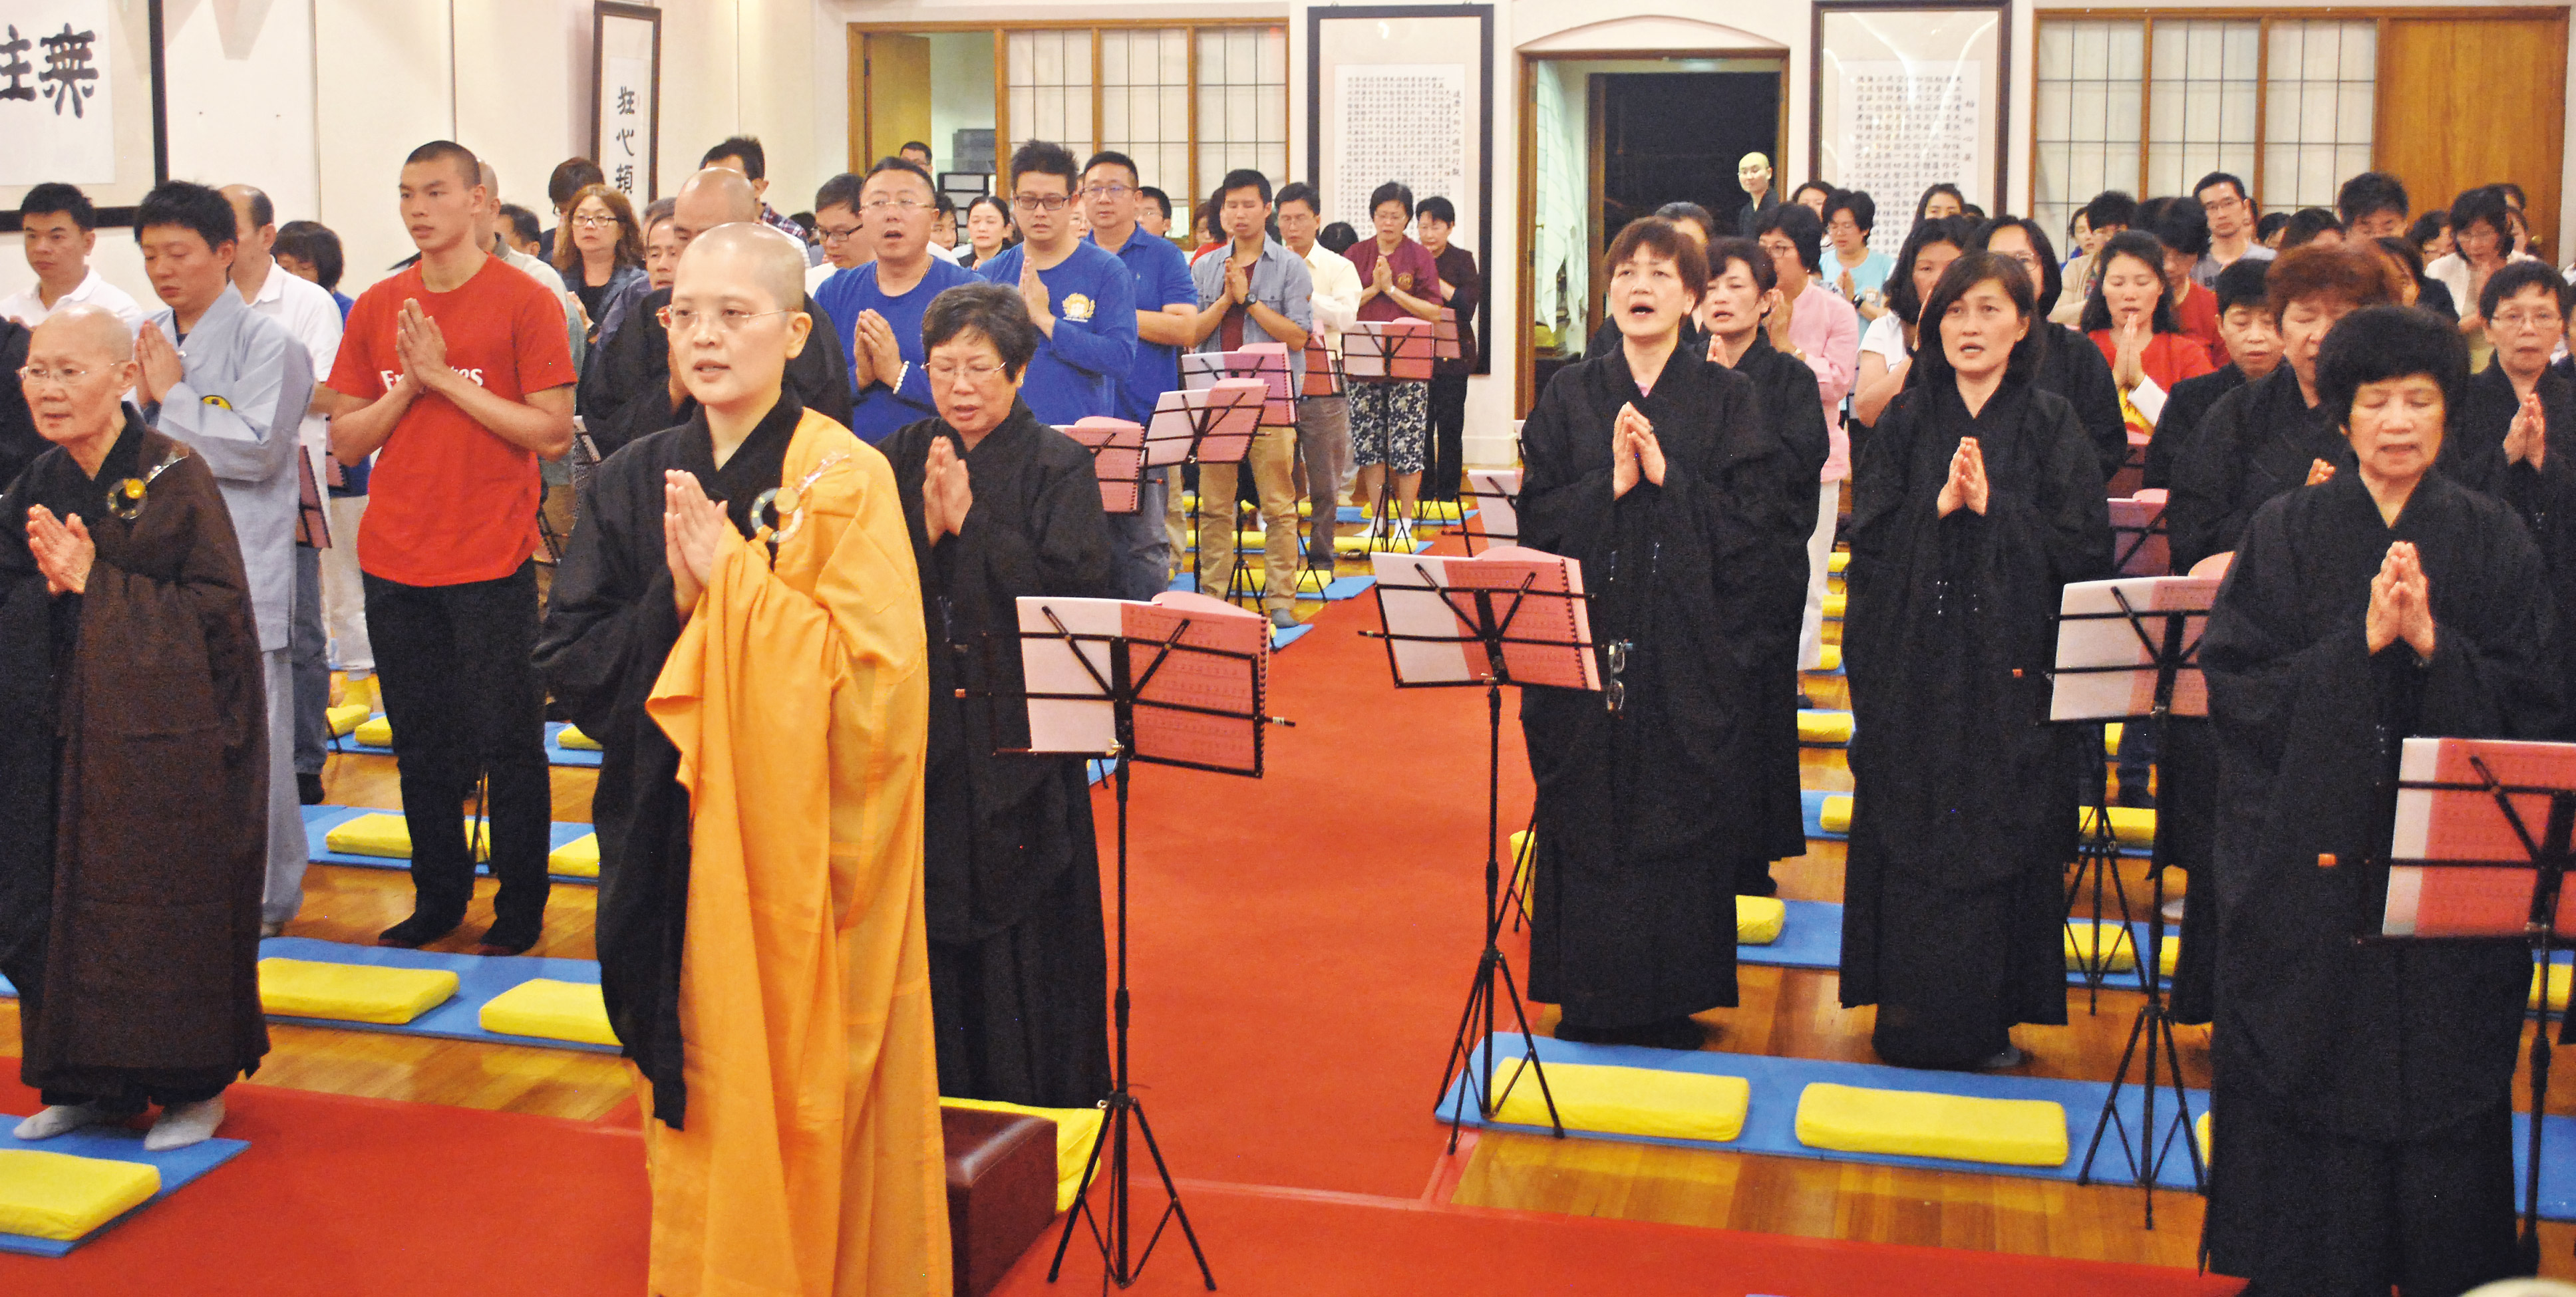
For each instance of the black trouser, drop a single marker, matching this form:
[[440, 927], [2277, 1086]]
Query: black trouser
[[143, 1091], [457, 667], [309, 655], [1444, 459]]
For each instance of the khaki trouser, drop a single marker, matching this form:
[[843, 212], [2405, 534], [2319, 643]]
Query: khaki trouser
[[1273, 460]]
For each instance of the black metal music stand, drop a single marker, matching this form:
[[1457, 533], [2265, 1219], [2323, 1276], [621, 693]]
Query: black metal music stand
[[1371, 355], [1497, 493], [1117, 449], [1197, 424]]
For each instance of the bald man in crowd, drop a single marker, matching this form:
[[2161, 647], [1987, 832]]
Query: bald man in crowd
[[630, 391], [133, 757]]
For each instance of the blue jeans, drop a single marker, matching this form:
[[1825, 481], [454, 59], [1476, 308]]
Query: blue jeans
[[1140, 553]]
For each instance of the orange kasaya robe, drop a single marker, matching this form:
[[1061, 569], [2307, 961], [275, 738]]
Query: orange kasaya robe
[[797, 696]]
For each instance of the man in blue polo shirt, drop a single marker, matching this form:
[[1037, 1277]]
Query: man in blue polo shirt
[[877, 306], [1166, 301], [1080, 297]]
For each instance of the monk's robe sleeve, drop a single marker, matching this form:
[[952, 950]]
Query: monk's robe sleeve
[[2207, 513], [191, 622], [27, 759], [1061, 549], [610, 621], [1565, 507], [1755, 504]]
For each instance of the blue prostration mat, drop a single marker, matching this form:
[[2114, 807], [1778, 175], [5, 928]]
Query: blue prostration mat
[[1812, 937], [319, 820], [1813, 801], [179, 1167], [1770, 1124], [556, 753]]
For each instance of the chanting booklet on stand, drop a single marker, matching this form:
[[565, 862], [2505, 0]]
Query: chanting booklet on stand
[[1497, 493], [1388, 349], [2104, 671], [1265, 363], [1547, 642], [2446, 814], [2138, 539], [1214, 424], [1117, 459], [1200, 707]]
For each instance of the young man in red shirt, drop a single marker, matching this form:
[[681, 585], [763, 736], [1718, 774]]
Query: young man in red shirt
[[457, 369]]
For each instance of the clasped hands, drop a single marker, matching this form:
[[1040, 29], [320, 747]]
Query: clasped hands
[[1966, 485], [2528, 436], [2401, 603], [946, 494], [693, 528], [63, 549], [875, 355], [1634, 452]]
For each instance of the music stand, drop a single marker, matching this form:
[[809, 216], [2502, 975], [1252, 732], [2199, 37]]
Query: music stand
[[1167, 683], [1388, 351], [1265, 363], [2139, 536], [2129, 649], [2463, 864], [1453, 625], [1497, 493], [1214, 424], [1117, 449]]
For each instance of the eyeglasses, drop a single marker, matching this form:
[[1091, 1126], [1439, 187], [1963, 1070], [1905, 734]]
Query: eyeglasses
[[979, 373], [1041, 202], [899, 206], [685, 320], [840, 233], [36, 376], [594, 222], [2545, 320], [1108, 191]]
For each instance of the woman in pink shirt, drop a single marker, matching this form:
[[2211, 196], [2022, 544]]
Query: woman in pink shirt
[[1825, 333], [1391, 419]]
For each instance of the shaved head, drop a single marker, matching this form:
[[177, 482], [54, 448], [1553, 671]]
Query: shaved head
[[84, 332], [713, 197], [81, 416], [745, 252]]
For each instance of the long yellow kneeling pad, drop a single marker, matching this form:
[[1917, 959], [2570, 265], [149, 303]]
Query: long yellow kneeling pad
[[550, 1009], [1075, 1129], [2084, 947], [1907, 1123], [304, 988], [1824, 727], [63, 1197], [1758, 919], [384, 833], [2131, 826], [1829, 657], [1627, 1101]]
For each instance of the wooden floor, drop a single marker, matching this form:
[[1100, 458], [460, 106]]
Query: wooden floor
[[1783, 1012]]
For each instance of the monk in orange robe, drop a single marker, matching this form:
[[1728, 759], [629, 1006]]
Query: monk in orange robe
[[738, 621]]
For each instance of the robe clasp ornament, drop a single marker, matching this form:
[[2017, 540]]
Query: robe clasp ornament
[[125, 496], [1614, 689], [778, 513]]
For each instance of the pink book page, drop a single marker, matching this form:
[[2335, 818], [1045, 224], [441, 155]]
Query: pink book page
[[2138, 538], [1229, 684], [2466, 824], [1234, 419], [1565, 660], [2095, 636], [1117, 458], [1266, 363]]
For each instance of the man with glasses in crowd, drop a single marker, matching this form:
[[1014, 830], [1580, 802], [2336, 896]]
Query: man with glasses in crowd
[[877, 304], [1166, 301], [1081, 298], [2231, 227], [1258, 291], [1323, 418], [842, 229]]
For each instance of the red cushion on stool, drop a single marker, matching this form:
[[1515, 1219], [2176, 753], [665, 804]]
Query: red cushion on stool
[[1001, 1191]]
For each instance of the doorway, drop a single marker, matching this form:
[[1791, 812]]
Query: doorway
[[933, 87], [1605, 141]]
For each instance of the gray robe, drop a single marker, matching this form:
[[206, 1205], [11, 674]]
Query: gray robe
[[246, 385]]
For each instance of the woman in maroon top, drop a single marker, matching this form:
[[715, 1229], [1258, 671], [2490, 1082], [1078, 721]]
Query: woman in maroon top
[[1390, 419], [1461, 287]]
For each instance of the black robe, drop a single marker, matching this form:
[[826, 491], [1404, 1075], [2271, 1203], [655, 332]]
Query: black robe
[[20, 443], [2363, 1097], [2544, 497], [2185, 406], [1964, 798], [1018, 962], [1640, 843], [2072, 367], [133, 786], [1786, 393], [1608, 339], [2255, 443], [626, 388], [610, 626]]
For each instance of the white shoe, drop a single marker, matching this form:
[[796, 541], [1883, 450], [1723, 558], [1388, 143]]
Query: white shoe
[[60, 1119], [189, 1123]]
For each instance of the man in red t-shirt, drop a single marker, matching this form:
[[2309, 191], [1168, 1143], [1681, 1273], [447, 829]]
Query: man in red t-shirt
[[457, 369]]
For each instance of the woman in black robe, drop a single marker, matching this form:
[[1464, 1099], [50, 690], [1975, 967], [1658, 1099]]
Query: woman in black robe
[[1978, 499], [2068, 363], [2518, 416], [2362, 1105], [1002, 506], [1653, 467]]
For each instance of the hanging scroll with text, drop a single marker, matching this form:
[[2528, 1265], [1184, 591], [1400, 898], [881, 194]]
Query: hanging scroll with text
[[1907, 97], [79, 101], [1405, 122], [626, 102]]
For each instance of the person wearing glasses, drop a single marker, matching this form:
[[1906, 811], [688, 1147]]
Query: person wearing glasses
[[2232, 217], [1080, 297], [877, 306], [840, 224], [1166, 302], [602, 261]]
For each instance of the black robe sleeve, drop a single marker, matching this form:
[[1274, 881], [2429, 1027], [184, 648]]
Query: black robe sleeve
[[19, 441], [626, 394], [2078, 373], [2209, 507]]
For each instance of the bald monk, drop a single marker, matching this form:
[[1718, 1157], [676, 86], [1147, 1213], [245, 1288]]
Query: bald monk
[[761, 696], [630, 389], [133, 758]]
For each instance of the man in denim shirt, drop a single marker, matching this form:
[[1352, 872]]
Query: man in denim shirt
[[1258, 291]]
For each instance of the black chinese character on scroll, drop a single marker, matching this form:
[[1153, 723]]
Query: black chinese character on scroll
[[68, 69]]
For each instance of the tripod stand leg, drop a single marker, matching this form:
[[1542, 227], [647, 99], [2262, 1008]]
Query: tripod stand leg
[[1176, 1212], [1530, 1041], [1082, 1204]]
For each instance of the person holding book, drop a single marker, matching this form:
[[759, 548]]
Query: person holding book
[[1655, 470], [2361, 1119]]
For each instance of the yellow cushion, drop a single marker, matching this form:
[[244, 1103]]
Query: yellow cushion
[[2560, 977], [377, 733], [2170, 954], [1838, 561], [2084, 942], [304, 988], [2111, 740], [1075, 1129], [1906, 1123], [1835, 816], [2132, 826], [572, 737], [1825, 727], [62, 1197], [1758, 920], [1829, 657], [1356, 544], [1626, 1100], [1834, 600], [383, 833], [542, 1006], [2200, 1129], [347, 717], [1435, 510], [578, 858]]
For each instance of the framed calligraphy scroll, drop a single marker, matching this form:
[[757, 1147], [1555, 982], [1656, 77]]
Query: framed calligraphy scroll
[[626, 98], [82, 102], [1909, 94]]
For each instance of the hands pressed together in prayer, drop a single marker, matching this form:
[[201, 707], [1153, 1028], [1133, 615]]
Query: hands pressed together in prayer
[[946, 494], [2131, 336], [692, 534], [1777, 322], [2527, 439], [1634, 452], [876, 357], [2319, 471], [2401, 603], [1033, 294], [161, 363], [423, 348], [1967, 482], [63, 549]]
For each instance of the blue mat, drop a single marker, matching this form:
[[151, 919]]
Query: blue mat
[[1335, 590], [319, 820], [556, 753], [1812, 937], [1770, 1125], [478, 979], [1813, 802], [179, 1167]]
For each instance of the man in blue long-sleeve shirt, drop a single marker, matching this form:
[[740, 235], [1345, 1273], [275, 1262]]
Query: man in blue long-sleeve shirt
[[1081, 298], [877, 305]]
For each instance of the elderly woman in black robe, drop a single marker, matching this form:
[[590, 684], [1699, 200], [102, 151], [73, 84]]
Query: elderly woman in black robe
[[2362, 1107], [1002, 506], [1979, 498], [1690, 516]]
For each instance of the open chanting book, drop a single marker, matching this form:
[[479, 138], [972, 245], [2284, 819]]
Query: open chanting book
[[1117, 459], [1432, 606], [1265, 363], [2104, 671], [1497, 493], [1200, 706], [2445, 813], [1214, 424], [1445, 343], [1388, 349], [2138, 538]]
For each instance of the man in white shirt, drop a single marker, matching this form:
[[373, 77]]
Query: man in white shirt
[[61, 230], [845, 231], [1324, 419], [310, 316]]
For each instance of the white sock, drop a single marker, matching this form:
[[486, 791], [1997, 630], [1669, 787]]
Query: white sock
[[189, 1123], [60, 1119]]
